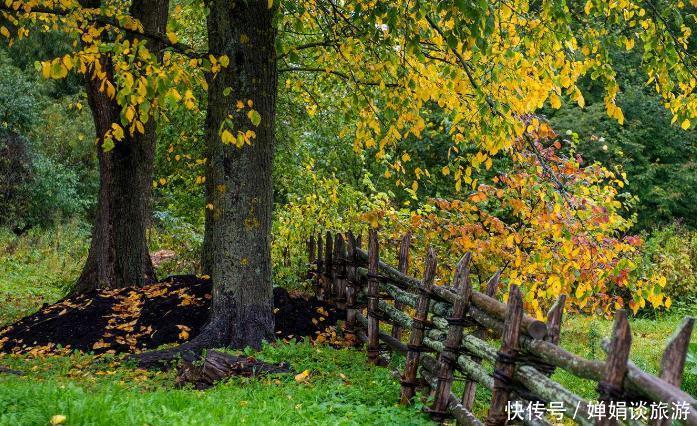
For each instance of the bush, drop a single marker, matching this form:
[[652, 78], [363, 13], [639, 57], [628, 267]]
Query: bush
[[15, 180], [672, 252]]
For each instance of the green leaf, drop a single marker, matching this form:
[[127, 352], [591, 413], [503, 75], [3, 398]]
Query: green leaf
[[254, 117]]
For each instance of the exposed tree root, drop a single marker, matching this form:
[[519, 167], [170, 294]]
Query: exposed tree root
[[217, 366]]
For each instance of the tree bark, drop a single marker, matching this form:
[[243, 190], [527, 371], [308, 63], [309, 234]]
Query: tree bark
[[237, 245], [118, 255]]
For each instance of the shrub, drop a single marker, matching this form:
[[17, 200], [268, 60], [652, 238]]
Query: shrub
[[548, 240], [672, 252], [15, 180]]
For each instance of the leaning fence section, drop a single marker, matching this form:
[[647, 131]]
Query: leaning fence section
[[447, 332]]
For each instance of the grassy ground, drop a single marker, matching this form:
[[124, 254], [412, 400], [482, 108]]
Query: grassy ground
[[342, 388], [38, 268]]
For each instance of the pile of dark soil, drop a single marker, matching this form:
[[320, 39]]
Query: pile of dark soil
[[136, 319]]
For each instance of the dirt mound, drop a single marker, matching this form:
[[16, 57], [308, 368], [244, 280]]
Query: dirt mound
[[136, 319]]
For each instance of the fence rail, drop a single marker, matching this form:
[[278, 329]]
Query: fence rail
[[448, 328]]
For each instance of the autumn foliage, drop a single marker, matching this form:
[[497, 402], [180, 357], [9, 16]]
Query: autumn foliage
[[551, 223]]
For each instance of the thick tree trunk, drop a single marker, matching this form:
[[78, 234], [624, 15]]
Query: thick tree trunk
[[237, 248], [118, 255]]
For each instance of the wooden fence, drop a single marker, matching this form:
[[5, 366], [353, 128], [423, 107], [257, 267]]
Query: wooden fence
[[450, 329]]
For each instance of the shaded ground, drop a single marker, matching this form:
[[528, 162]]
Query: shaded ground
[[136, 319]]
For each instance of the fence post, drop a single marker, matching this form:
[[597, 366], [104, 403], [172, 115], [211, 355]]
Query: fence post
[[448, 358], [610, 388], [470, 391], [554, 318], [311, 256], [673, 361], [328, 267], [320, 267], [340, 272], [373, 283], [351, 284], [505, 360], [415, 346], [403, 268]]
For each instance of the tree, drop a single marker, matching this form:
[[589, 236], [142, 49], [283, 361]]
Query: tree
[[390, 65], [238, 185], [118, 254]]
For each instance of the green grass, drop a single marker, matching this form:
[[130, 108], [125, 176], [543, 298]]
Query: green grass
[[38, 267], [105, 392]]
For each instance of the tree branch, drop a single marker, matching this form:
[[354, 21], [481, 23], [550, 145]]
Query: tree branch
[[162, 39], [338, 74]]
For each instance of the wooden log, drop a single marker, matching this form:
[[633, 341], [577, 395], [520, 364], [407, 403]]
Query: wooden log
[[448, 358], [470, 392], [403, 268], [673, 361], [611, 387], [351, 284], [328, 267], [340, 271], [373, 323], [505, 360], [531, 326], [418, 329], [220, 365]]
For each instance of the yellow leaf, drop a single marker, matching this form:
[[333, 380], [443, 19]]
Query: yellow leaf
[[130, 113], [58, 419], [685, 124], [224, 61], [270, 4], [172, 37], [4, 31], [117, 131], [68, 61], [46, 69], [555, 101], [302, 377], [227, 137]]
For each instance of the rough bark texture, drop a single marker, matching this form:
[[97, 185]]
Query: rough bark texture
[[118, 255], [237, 246]]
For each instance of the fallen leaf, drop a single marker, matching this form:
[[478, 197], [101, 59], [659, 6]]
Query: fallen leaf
[[58, 419], [302, 377]]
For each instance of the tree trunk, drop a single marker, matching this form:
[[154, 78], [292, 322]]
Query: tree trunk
[[118, 255], [237, 247]]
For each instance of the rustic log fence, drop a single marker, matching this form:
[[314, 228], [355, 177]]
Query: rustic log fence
[[448, 328]]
